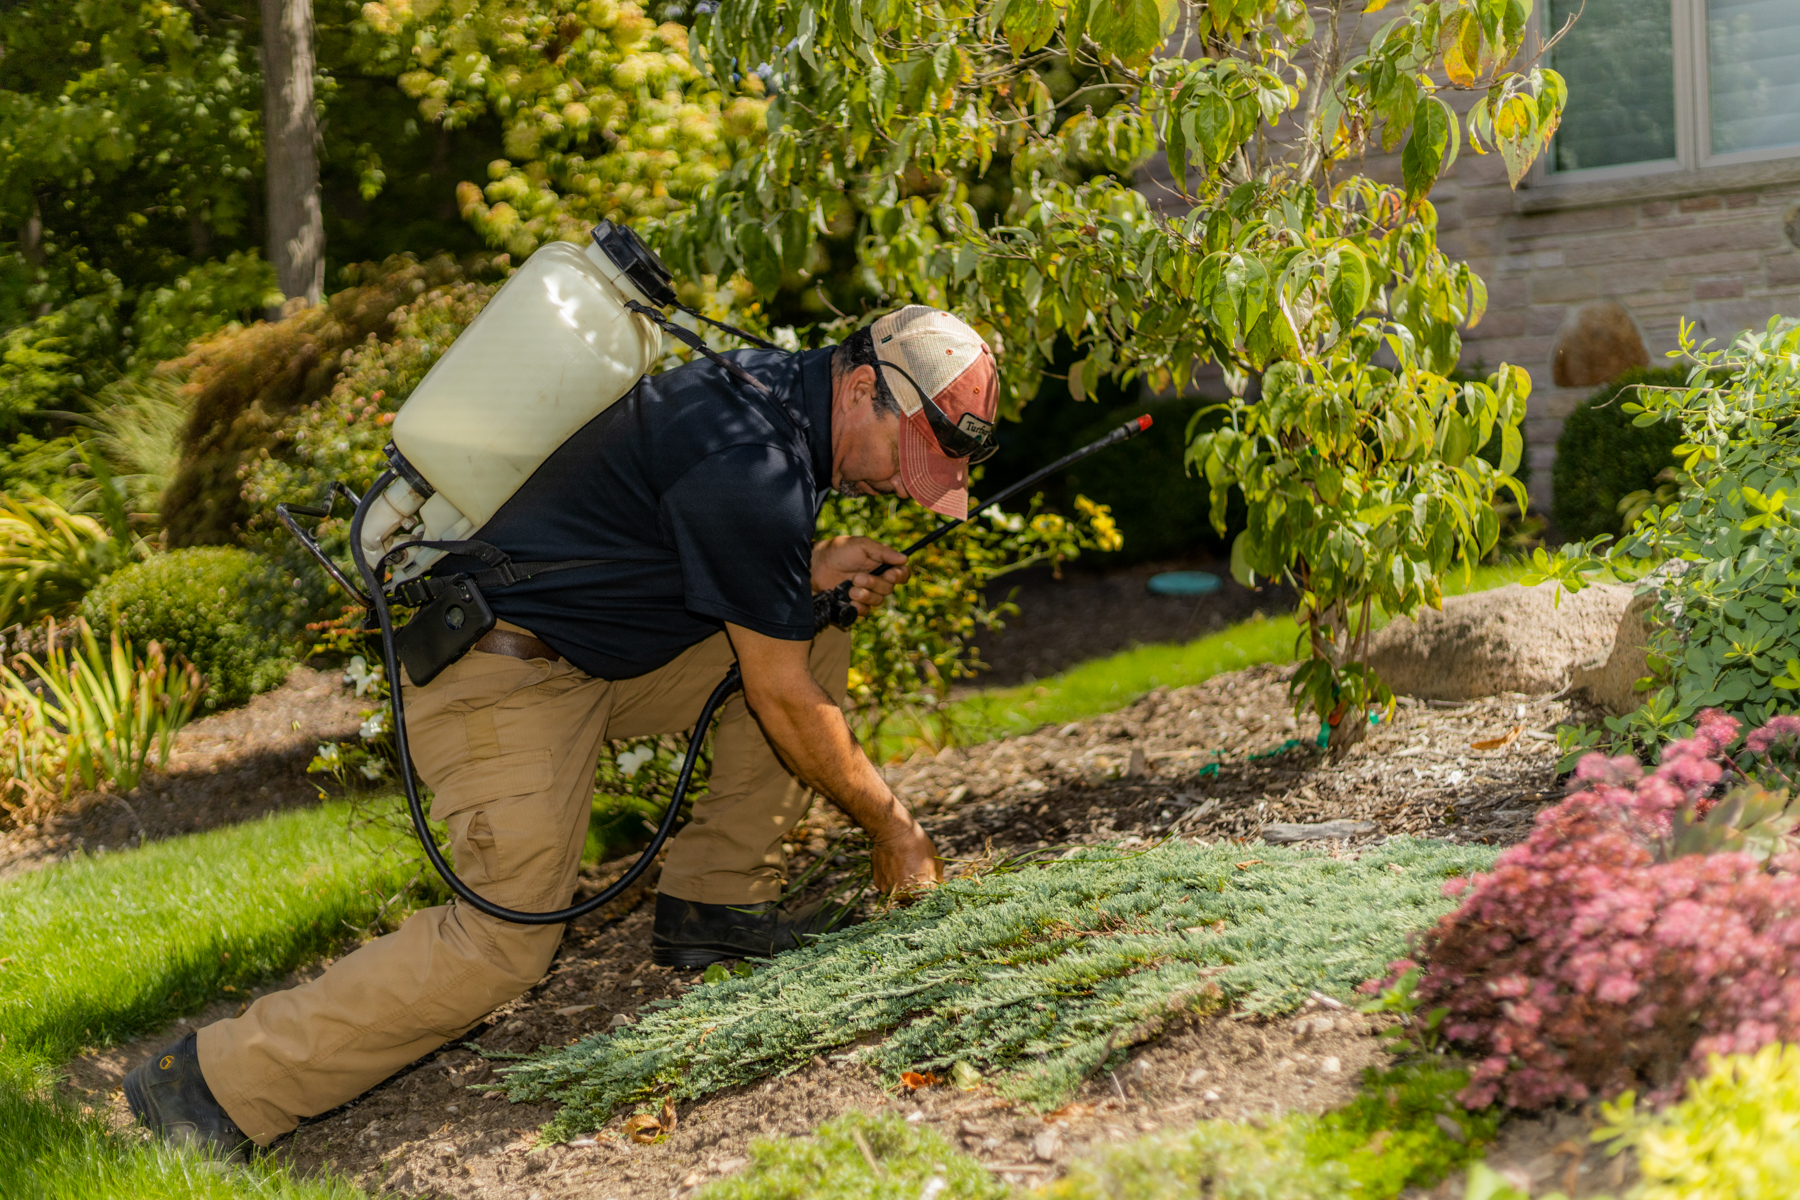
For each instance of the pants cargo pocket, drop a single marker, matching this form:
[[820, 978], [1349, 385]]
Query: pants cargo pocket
[[475, 782]]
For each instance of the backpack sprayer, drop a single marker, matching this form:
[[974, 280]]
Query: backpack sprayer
[[565, 338]]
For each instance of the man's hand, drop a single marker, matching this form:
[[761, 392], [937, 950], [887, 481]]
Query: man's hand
[[809, 732], [906, 862], [837, 559]]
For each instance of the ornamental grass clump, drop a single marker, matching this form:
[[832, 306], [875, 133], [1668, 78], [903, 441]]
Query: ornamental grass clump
[[1647, 923]]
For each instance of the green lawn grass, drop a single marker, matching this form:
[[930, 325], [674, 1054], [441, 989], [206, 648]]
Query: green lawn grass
[[103, 949], [1105, 684]]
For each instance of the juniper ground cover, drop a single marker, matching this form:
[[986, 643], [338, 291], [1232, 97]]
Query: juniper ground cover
[[1035, 976]]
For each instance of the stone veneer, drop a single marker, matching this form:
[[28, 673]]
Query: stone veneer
[[1712, 247]]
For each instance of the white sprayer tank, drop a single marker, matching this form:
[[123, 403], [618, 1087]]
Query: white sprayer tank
[[552, 350]]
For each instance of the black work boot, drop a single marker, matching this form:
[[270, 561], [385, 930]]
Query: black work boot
[[169, 1097], [691, 934]]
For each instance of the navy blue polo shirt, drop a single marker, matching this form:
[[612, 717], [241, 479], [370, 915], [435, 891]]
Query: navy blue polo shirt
[[701, 494]]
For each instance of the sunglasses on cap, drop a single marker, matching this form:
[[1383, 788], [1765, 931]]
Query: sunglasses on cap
[[969, 437]]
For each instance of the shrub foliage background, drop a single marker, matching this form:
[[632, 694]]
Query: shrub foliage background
[[1603, 455], [1644, 925], [217, 606]]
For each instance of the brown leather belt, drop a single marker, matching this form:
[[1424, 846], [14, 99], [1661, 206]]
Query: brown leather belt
[[515, 645]]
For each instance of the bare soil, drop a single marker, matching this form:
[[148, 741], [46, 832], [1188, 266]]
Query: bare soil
[[1219, 760], [226, 768]]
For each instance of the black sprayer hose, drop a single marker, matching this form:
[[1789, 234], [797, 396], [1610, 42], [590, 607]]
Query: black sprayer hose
[[830, 608], [390, 657]]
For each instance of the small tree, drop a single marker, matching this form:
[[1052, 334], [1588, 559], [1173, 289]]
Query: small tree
[[1274, 260]]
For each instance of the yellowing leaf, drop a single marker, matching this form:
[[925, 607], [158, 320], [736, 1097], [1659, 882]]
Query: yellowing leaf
[[1501, 742]]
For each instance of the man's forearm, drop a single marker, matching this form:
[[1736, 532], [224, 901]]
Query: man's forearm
[[810, 734]]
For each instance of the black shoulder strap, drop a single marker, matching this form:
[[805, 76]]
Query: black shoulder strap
[[693, 341], [731, 329]]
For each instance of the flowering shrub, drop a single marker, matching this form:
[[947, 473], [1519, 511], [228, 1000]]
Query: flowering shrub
[[1607, 952]]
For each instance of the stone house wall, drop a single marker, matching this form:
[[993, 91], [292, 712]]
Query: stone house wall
[[1588, 279]]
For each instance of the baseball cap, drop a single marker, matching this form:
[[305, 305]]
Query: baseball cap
[[941, 363]]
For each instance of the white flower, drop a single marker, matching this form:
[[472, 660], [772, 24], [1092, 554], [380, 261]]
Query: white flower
[[632, 761], [361, 675], [373, 769], [785, 337], [1011, 522], [375, 726]]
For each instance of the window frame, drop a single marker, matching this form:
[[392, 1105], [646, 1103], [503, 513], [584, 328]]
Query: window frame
[[1693, 112]]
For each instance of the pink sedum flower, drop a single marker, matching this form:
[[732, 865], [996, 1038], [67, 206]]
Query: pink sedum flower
[[1582, 966]]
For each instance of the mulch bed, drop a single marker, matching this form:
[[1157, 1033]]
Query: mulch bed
[[1212, 761]]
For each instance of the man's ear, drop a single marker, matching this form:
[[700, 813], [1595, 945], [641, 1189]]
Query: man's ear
[[862, 385]]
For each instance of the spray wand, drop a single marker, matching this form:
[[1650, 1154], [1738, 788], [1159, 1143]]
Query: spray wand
[[834, 607]]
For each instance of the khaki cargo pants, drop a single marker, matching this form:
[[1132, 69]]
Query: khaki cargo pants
[[508, 746]]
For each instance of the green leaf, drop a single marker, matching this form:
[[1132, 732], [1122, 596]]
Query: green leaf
[[1240, 563], [1458, 438], [1459, 41], [1213, 126], [1423, 157], [1130, 29], [1030, 24], [1346, 284]]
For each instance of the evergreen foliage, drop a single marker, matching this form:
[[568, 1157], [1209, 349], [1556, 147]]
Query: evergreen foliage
[[1038, 976], [247, 385], [220, 608], [1603, 455]]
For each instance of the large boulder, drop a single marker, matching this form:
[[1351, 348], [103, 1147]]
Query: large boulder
[[1511, 639], [1612, 684]]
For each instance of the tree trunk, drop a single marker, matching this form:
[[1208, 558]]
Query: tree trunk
[[296, 220], [31, 247]]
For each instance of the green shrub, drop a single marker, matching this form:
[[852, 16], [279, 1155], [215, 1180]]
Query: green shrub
[[1393, 1136], [830, 1166], [1725, 552], [1220, 1160], [221, 608], [1730, 1138], [1413, 1106], [1602, 457]]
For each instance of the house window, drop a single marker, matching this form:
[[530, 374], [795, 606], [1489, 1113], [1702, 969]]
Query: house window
[[1669, 85]]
